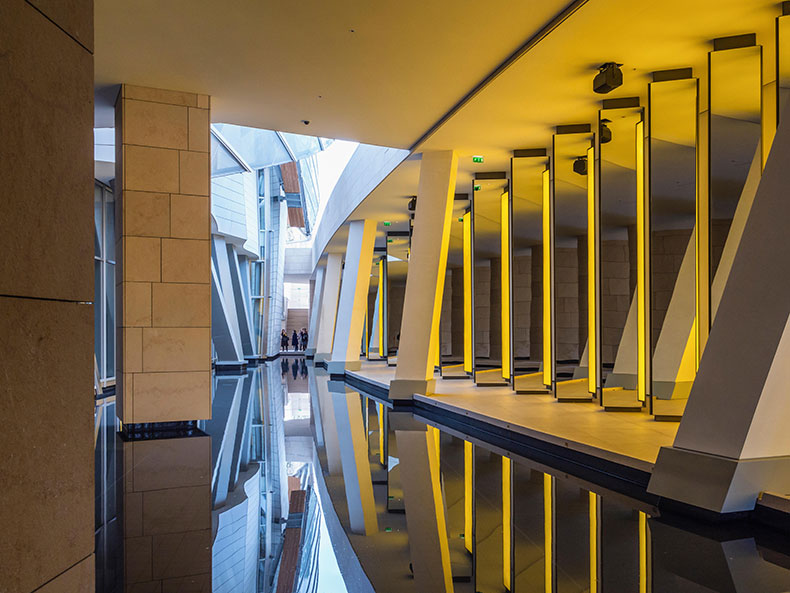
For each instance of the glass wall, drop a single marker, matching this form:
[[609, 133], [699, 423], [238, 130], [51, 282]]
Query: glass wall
[[104, 285]]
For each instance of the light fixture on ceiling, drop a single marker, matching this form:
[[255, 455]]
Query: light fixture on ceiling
[[605, 132], [609, 77], [580, 165]]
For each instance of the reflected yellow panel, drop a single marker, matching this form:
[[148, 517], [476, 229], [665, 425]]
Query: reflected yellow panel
[[380, 410], [547, 289], [504, 233], [643, 553], [642, 265], [548, 533], [468, 355], [468, 495], [594, 551], [592, 284], [382, 353], [506, 536]]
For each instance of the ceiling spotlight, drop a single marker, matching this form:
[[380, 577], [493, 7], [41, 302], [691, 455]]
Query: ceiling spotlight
[[608, 78], [580, 165], [306, 122], [605, 132]]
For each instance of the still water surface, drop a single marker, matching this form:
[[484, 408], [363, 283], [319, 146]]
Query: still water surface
[[300, 483]]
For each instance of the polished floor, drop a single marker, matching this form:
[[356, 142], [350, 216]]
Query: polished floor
[[625, 437], [301, 483]]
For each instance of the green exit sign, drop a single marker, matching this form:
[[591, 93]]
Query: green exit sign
[[389, 240], [387, 223], [477, 187], [477, 159], [460, 219]]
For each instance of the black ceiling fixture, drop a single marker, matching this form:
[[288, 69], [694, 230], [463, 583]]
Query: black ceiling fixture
[[580, 165], [605, 132], [609, 77]]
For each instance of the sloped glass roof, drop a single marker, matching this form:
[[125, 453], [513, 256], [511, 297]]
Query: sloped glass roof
[[266, 148]]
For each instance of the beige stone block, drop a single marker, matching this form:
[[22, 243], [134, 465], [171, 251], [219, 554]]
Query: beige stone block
[[46, 153], [47, 472], [125, 397], [204, 101], [146, 214], [189, 216], [136, 304], [160, 95], [182, 305], [194, 173], [175, 510], [182, 554], [137, 559], [73, 16], [77, 579], [186, 260], [142, 259], [171, 463], [165, 397], [133, 514], [176, 349], [133, 350], [199, 130], [198, 583], [150, 169], [155, 124]]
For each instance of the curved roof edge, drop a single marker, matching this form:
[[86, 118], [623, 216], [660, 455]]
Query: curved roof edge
[[367, 168]]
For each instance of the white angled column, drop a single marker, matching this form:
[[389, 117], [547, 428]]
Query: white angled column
[[422, 303], [326, 318], [353, 296], [733, 441], [315, 311]]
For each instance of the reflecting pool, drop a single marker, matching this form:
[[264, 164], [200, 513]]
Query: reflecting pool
[[301, 483]]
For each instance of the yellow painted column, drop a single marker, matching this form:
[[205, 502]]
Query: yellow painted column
[[548, 534], [548, 290], [504, 268], [642, 266], [595, 541], [592, 274]]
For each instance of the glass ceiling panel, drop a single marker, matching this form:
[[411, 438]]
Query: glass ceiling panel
[[301, 146], [258, 148], [222, 161]]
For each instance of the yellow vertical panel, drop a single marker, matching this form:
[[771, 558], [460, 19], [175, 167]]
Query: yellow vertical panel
[[381, 309], [594, 522], [468, 495], [468, 355], [438, 504], [547, 289], [548, 533], [436, 436], [702, 236], [380, 410], [642, 267], [504, 234], [506, 474], [592, 284]]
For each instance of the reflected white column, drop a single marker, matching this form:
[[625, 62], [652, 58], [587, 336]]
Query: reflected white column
[[356, 464], [425, 512]]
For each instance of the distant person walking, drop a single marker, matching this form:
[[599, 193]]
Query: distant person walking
[[303, 339], [283, 341], [295, 341]]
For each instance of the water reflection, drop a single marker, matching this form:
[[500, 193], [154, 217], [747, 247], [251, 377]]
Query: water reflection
[[299, 483]]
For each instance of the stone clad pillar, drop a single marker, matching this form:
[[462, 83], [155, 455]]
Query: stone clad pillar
[[47, 288], [353, 296], [425, 281], [164, 257]]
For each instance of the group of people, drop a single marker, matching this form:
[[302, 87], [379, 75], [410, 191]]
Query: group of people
[[297, 341]]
